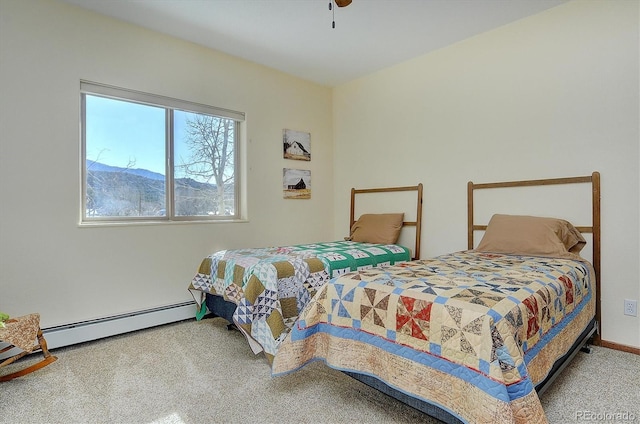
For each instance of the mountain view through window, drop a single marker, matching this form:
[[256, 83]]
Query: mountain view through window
[[145, 161]]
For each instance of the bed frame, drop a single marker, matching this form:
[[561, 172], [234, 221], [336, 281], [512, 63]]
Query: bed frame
[[594, 228], [590, 333], [218, 307], [417, 223]]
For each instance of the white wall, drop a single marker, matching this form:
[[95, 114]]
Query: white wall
[[49, 264], [553, 95]]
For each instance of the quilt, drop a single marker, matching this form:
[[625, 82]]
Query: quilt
[[469, 332], [270, 286]]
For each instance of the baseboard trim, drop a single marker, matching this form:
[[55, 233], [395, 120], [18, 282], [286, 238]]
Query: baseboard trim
[[85, 331], [618, 346]]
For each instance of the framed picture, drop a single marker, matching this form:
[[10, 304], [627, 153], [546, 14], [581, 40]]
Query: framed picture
[[296, 183], [296, 145]]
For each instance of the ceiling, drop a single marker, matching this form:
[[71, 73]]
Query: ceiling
[[296, 36]]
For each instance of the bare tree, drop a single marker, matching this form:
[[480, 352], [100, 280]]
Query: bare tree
[[116, 201], [210, 142]]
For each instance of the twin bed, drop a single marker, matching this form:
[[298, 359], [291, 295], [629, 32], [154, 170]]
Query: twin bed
[[261, 291], [471, 336]]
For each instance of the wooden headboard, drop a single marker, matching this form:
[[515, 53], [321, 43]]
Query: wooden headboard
[[417, 223], [594, 228]]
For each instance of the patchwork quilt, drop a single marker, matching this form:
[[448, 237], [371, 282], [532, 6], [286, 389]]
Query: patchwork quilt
[[469, 332], [272, 285]]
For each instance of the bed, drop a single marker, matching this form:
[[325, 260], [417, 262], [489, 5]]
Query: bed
[[261, 291], [470, 336]]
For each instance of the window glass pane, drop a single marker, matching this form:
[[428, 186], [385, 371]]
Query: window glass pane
[[125, 158], [204, 164], [149, 157]]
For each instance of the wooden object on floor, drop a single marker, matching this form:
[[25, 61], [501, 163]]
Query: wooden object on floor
[[24, 333]]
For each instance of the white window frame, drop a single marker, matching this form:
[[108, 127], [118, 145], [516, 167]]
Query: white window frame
[[169, 105]]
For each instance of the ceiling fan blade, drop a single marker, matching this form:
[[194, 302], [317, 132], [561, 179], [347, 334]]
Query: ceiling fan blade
[[342, 3]]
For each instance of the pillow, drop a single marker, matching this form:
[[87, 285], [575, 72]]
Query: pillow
[[531, 235], [382, 228]]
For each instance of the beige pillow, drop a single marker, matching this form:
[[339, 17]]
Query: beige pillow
[[531, 235], [382, 228]]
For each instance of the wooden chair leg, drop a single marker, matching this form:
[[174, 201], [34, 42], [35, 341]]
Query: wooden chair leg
[[48, 358]]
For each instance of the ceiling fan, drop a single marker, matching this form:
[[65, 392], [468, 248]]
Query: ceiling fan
[[339, 3]]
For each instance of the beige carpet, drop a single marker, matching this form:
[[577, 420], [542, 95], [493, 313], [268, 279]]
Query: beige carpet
[[198, 372]]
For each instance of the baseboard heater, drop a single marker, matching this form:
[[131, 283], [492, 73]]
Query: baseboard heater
[[85, 331]]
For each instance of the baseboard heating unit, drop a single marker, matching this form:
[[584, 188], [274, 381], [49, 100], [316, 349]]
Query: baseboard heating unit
[[85, 331]]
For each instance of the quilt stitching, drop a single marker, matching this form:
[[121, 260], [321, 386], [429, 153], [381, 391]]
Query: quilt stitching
[[270, 286]]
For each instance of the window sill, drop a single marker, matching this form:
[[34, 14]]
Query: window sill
[[94, 224]]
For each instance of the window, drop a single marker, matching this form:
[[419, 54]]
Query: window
[[148, 157]]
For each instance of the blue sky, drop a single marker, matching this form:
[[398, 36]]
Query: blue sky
[[120, 132]]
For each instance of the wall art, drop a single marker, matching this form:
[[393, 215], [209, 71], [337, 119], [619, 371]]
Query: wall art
[[296, 145], [296, 183]]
